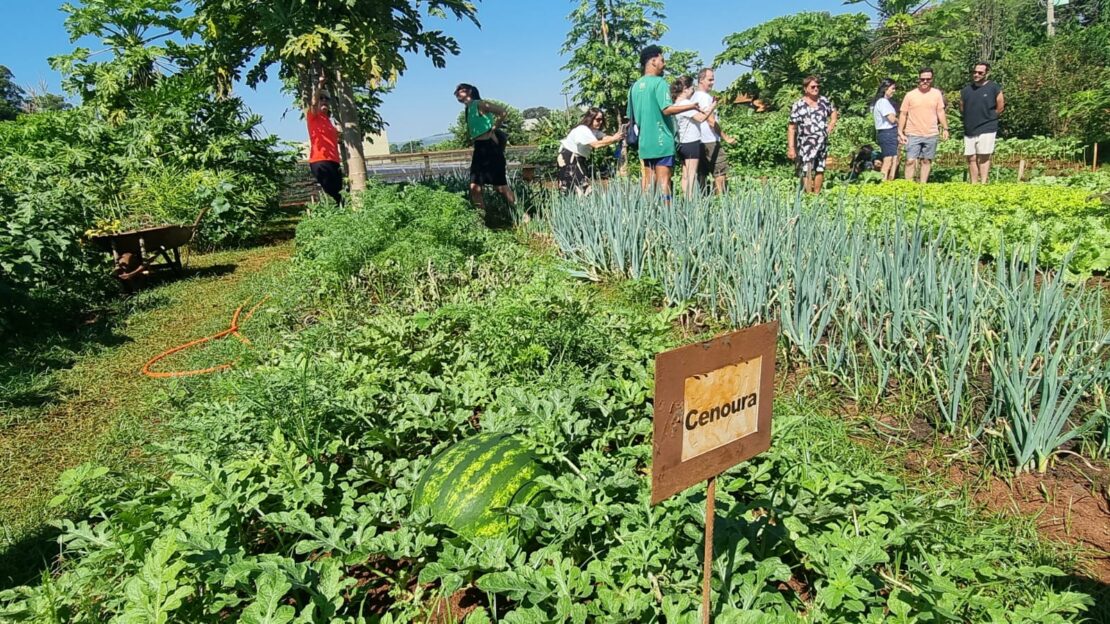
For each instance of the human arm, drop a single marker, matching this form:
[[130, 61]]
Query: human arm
[[999, 102], [832, 121], [675, 109], [721, 133], [790, 134], [902, 116], [942, 117], [608, 140], [316, 94]]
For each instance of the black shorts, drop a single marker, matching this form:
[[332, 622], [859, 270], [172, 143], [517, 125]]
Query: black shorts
[[690, 151], [330, 178], [888, 141], [487, 166]]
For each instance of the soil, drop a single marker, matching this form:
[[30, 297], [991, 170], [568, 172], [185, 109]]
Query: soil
[[1069, 504], [455, 608]]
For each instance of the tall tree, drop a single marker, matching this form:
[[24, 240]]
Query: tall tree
[[140, 45], [782, 51], [357, 45], [11, 96], [604, 44]]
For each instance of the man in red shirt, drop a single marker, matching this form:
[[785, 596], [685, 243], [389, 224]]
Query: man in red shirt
[[323, 139]]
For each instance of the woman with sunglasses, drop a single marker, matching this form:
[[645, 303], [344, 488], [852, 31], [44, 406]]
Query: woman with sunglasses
[[576, 148], [812, 120]]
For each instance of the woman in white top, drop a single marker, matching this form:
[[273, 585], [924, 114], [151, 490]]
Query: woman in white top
[[576, 148], [886, 126], [688, 132]]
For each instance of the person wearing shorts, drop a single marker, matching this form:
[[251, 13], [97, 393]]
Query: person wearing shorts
[[981, 102], [487, 164], [921, 117], [886, 127], [812, 120], [714, 161], [650, 105], [689, 132], [323, 141]]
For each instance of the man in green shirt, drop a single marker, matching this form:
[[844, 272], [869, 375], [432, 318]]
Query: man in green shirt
[[649, 103]]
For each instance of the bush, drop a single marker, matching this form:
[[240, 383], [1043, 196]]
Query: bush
[[67, 172]]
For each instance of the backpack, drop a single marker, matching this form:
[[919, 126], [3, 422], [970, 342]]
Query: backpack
[[632, 134]]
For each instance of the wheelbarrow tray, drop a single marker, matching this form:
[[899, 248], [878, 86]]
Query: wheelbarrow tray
[[165, 236], [148, 243]]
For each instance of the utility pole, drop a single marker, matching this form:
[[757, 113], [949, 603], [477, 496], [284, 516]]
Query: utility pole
[[1051, 17]]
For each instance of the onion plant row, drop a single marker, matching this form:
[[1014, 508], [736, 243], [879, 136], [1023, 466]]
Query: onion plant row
[[1011, 351]]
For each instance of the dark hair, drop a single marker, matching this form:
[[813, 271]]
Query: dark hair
[[589, 116], [926, 69], [702, 72], [884, 84], [470, 89], [680, 84], [983, 63], [808, 79], [647, 54]]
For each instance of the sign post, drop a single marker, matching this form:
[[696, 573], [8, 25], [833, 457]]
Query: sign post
[[712, 411]]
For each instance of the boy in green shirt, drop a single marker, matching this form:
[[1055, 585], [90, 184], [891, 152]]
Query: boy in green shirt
[[649, 102]]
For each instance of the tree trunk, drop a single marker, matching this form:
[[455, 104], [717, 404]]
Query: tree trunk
[[351, 132]]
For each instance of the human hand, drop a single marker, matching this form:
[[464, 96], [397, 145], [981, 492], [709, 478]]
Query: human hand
[[791, 154], [945, 134], [902, 138], [730, 140]]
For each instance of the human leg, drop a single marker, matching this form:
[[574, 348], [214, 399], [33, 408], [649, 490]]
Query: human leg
[[926, 166], [911, 168], [888, 164], [476, 196], [972, 163], [330, 178], [663, 179], [818, 181], [984, 167], [972, 169], [690, 176]]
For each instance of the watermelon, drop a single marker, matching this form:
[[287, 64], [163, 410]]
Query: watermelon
[[469, 485]]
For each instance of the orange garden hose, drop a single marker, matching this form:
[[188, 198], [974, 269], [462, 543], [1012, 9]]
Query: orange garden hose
[[233, 330]]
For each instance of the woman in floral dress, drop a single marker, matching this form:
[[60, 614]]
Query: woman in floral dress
[[812, 120]]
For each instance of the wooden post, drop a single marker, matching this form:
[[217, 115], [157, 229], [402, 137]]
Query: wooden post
[[427, 165], [710, 503], [1094, 161], [1021, 169]]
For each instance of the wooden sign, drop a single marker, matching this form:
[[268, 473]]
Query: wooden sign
[[712, 411], [712, 407]]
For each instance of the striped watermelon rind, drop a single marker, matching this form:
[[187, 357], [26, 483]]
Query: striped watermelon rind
[[469, 485]]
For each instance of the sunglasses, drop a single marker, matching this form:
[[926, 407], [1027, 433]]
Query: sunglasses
[[924, 79], [814, 86]]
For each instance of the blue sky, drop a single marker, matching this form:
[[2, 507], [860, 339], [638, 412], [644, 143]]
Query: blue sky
[[513, 57]]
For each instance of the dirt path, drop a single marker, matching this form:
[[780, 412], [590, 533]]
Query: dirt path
[[107, 407]]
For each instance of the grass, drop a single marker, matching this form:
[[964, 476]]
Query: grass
[[86, 401]]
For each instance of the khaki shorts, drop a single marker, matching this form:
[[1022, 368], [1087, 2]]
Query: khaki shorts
[[982, 144], [713, 160]]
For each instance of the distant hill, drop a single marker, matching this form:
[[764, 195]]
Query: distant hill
[[420, 144]]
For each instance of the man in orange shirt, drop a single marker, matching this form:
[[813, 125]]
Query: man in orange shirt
[[323, 139], [922, 112]]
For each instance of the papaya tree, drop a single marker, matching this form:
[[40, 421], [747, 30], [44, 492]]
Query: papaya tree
[[357, 46], [604, 44]]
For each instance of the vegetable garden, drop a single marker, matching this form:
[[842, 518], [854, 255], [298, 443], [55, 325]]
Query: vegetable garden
[[404, 328], [438, 416]]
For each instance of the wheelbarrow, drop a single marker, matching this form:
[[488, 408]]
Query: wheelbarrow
[[136, 252]]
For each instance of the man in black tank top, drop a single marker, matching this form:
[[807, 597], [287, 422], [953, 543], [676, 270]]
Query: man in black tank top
[[981, 102]]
